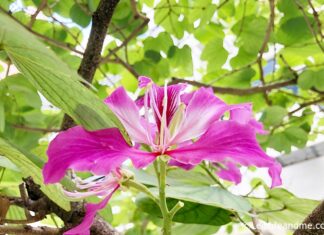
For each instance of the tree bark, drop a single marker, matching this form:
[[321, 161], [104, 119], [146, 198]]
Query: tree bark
[[91, 59], [92, 55], [316, 218]]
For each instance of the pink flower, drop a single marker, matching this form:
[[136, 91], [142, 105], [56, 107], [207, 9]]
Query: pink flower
[[103, 186], [185, 126]]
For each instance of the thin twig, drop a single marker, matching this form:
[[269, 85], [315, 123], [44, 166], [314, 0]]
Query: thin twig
[[33, 17], [264, 45], [124, 64], [316, 17], [125, 42], [306, 104], [309, 25], [238, 91], [28, 230]]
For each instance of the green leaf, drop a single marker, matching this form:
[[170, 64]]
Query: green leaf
[[28, 168], [311, 78], [54, 79], [273, 115], [169, 20], [297, 136], [191, 213], [2, 115], [208, 195], [284, 207], [153, 55], [161, 43], [181, 62], [215, 54], [250, 32], [280, 142], [79, 16], [196, 229], [209, 32], [6, 163], [294, 30]]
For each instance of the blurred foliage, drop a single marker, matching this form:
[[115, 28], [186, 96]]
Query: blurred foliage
[[220, 43]]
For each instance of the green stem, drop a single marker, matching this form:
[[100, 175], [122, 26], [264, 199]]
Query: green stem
[[211, 175], [176, 208], [156, 169], [167, 220], [142, 188]]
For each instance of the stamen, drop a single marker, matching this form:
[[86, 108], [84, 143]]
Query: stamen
[[163, 129]]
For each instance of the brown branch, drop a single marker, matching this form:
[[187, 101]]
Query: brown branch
[[127, 66], [237, 91], [125, 42], [133, 34], [92, 55], [136, 12], [316, 17], [33, 17], [263, 47], [28, 230], [309, 25], [49, 40], [235, 70], [294, 73], [315, 218], [306, 104]]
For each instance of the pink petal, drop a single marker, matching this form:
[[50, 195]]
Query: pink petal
[[128, 113], [98, 152], [173, 95], [184, 166], [143, 81], [203, 109], [228, 140], [91, 210], [230, 173], [243, 114], [156, 96]]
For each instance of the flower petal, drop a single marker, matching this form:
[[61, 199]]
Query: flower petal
[[143, 81], [91, 210], [230, 173], [228, 140], [243, 114], [203, 109], [184, 166], [128, 113], [99, 152]]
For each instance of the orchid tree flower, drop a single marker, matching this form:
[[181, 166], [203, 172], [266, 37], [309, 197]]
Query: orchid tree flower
[[185, 128]]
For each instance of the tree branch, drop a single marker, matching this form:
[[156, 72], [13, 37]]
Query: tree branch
[[306, 104], [28, 230], [33, 17], [315, 218], [124, 64], [309, 25], [237, 91], [137, 15], [263, 47], [317, 19], [92, 55]]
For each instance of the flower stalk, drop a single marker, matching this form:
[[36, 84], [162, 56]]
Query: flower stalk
[[167, 221], [166, 213]]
